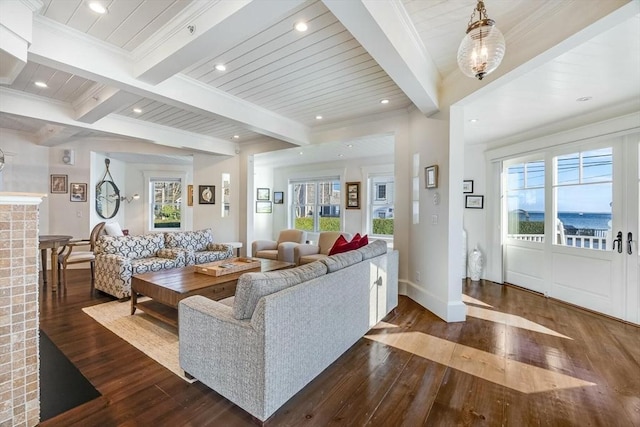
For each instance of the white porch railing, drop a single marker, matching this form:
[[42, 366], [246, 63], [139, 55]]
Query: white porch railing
[[588, 242]]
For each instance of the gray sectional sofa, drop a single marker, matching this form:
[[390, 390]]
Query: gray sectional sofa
[[283, 328]]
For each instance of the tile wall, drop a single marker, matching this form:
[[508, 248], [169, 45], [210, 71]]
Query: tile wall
[[19, 321]]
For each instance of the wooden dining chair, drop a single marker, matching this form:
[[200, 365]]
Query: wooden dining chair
[[79, 251]]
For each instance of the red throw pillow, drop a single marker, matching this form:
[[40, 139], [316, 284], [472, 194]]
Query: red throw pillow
[[339, 245], [364, 241]]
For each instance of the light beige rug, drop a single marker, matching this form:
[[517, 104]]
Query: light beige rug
[[154, 338]]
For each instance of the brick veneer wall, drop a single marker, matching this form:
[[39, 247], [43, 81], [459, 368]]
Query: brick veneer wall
[[19, 321]]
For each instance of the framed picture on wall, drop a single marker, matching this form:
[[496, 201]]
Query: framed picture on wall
[[59, 184], [431, 176], [263, 194], [467, 186], [207, 194], [474, 202], [78, 192], [353, 195], [263, 207], [189, 195], [278, 197]]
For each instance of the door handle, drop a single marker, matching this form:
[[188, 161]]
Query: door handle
[[618, 240], [629, 241]]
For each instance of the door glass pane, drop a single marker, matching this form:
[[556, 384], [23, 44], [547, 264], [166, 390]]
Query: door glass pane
[[584, 192], [525, 201]]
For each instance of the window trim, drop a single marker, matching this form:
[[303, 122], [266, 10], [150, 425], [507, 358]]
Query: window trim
[[150, 176]]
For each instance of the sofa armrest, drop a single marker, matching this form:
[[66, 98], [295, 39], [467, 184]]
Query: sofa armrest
[[261, 245], [304, 250], [285, 251], [222, 352]]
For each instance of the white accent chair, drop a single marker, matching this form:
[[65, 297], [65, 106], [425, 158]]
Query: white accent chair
[[306, 253], [281, 249]]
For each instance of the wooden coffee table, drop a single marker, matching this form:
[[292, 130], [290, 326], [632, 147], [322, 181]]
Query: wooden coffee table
[[167, 287]]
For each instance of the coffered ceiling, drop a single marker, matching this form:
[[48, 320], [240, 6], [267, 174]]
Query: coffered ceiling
[[146, 70]]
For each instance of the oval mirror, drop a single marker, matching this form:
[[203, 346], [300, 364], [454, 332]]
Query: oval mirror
[[107, 199]]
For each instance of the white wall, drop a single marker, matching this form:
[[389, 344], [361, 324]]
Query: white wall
[[428, 278], [208, 170], [475, 219], [26, 170]]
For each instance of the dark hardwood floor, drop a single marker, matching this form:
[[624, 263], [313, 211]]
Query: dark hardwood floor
[[519, 360]]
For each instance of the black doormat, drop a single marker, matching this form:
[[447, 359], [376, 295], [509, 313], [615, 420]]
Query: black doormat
[[62, 385]]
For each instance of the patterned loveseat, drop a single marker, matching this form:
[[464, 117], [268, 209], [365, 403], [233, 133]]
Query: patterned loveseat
[[198, 246], [120, 257]]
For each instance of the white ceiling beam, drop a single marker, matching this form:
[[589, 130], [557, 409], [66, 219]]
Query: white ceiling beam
[[385, 31], [205, 29], [100, 101], [100, 62], [60, 113]]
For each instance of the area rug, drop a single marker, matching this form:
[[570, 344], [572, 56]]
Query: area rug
[[62, 385], [152, 337]]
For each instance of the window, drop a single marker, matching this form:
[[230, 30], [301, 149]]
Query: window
[[165, 203], [316, 205], [381, 208], [525, 201], [583, 192]]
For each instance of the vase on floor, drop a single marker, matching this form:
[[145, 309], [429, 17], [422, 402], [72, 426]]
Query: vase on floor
[[475, 264]]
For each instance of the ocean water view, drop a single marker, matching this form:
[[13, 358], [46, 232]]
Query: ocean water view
[[598, 221]]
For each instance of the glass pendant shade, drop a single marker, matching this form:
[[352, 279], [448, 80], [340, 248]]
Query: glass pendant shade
[[482, 49]]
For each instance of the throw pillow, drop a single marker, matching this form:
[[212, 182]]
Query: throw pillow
[[113, 229], [341, 245], [338, 246], [364, 241]]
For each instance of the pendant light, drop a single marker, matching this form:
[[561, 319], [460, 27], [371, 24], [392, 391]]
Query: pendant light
[[482, 49]]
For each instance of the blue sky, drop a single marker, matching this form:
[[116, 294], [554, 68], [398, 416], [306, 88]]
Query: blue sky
[[584, 183]]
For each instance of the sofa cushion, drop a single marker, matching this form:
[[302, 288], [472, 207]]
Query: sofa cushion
[[192, 240], [373, 249], [310, 271], [339, 261], [253, 286], [133, 247]]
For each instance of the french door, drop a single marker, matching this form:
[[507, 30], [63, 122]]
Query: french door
[[571, 223]]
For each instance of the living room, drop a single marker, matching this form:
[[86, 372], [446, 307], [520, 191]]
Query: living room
[[427, 220]]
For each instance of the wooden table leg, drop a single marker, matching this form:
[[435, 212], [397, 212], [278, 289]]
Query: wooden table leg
[[134, 301], [54, 268], [43, 256]]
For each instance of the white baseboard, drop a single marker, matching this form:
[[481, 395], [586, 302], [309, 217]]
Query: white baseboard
[[454, 311]]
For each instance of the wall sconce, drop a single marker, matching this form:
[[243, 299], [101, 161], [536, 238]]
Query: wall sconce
[[130, 198], [125, 198]]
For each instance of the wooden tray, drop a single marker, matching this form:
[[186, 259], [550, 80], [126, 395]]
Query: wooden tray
[[228, 266]]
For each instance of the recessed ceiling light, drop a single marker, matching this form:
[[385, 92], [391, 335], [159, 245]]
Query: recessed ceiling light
[[40, 84], [137, 110], [584, 98], [221, 67], [236, 136], [301, 26], [301, 153], [340, 155], [350, 145], [97, 7], [384, 101], [473, 120], [318, 117]]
